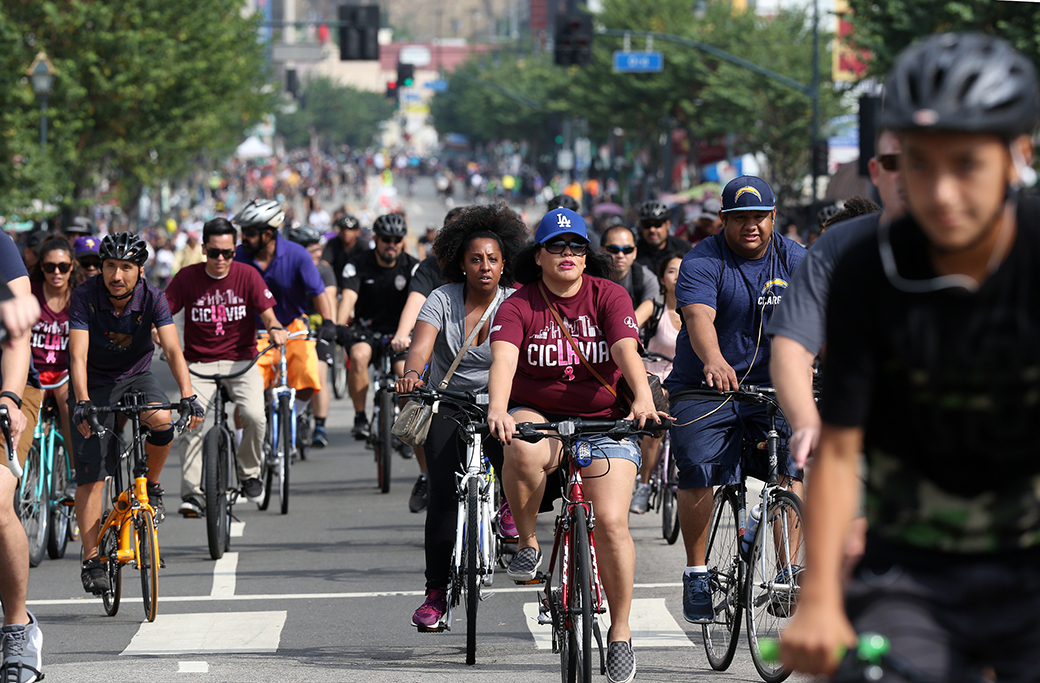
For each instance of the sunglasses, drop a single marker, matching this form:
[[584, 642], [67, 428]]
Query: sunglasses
[[60, 267], [889, 162], [616, 249], [251, 232], [90, 262], [213, 253], [651, 224], [558, 247], [390, 240]]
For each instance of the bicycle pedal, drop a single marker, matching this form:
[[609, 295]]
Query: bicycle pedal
[[162, 563], [441, 626], [538, 579], [544, 619]]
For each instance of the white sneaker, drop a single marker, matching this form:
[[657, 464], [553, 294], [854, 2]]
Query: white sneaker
[[641, 499], [22, 652]]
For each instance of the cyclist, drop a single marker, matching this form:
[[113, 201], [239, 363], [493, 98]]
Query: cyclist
[[706, 222], [478, 249], [310, 239], [294, 281], [346, 244], [375, 288], [640, 282], [932, 331], [222, 299], [110, 353], [85, 249], [21, 640], [728, 288], [655, 242], [535, 374]]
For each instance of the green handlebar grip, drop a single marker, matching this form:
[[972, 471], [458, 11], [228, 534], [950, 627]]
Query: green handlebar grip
[[870, 647]]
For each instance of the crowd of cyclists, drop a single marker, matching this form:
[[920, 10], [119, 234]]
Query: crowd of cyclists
[[925, 314]]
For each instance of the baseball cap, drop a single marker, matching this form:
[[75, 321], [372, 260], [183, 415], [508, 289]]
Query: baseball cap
[[80, 226], [85, 246], [558, 222], [747, 193]]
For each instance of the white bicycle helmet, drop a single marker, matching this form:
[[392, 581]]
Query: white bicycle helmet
[[260, 213]]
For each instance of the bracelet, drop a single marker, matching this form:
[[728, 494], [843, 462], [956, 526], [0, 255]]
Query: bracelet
[[417, 374], [15, 398], [277, 328]]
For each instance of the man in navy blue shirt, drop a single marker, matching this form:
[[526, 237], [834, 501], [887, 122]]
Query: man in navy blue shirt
[[729, 285]]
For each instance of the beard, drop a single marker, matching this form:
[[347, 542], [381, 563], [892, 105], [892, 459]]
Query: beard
[[251, 249]]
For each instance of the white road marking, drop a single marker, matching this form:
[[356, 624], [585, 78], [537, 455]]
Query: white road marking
[[237, 529], [224, 576], [193, 667], [212, 632], [651, 623]]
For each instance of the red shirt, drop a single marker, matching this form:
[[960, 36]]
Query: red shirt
[[549, 375], [50, 336], [219, 320]]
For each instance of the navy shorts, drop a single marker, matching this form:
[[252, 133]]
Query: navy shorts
[[710, 451]]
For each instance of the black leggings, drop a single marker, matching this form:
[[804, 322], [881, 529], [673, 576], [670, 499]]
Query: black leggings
[[445, 456]]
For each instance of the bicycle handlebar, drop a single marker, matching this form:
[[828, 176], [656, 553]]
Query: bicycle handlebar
[[615, 429], [99, 430], [654, 356], [12, 454], [238, 373]]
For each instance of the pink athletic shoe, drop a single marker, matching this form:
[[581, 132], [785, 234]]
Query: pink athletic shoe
[[431, 611], [506, 527]]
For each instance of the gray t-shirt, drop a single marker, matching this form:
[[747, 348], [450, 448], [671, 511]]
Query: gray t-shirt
[[651, 286], [802, 315], [445, 309]]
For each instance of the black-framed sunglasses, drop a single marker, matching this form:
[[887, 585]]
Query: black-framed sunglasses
[[90, 262], [618, 249], [651, 224], [390, 240], [558, 247], [251, 232], [889, 162], [60, 267], [213, 253]]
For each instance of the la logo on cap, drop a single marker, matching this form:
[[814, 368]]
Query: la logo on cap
[[562, 221]]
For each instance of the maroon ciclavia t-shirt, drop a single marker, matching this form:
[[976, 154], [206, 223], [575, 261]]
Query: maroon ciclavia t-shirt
[[50, 336], [219, 315], [549, 375]]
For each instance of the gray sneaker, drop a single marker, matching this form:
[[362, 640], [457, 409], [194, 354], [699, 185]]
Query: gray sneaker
[[641, 499], [22, 648], [524, 566]]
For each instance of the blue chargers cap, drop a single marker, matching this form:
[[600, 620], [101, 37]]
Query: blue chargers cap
[[747, 193]]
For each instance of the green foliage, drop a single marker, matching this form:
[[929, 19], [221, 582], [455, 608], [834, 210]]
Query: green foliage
[[885, 27], [143, 87], [336, 114]]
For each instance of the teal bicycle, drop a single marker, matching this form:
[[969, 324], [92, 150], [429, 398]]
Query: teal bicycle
[[45, 510]]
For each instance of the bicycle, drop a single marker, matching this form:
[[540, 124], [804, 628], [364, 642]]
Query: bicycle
[[127, 532], [280, 440], [762, 582], [338, 371], [664, 480], [475, 551], [573, 594], [220, 464], [384, 412]]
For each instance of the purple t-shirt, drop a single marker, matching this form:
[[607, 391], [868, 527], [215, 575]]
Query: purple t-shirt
[[291, 276]]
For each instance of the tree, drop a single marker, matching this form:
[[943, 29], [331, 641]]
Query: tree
[[143, 87], [337, 114]]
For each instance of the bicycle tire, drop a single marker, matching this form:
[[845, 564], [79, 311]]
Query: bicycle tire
[[304, 430], [109, 548], [472, 568], [58, 533], [266, 470], [383, 441], [726, 572], [670, 500], [215, 480], [771, 597], [285, 447], [555, 595], [34, 504], [581, 595], [148, 562], [338, 372]]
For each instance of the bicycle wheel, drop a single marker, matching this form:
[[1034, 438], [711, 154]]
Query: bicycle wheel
[[561, 632], [580, 607], [148, 562], [285, 449], [725, 574], [109, 548], [338, 372], [383, 441], [670, 498], [777, 560], [33, 504], [304, 431], [266, 468], [58, 535], [472, 568], [215, 479]]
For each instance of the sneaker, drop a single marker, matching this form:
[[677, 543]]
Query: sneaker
[[432, 610], [696, 598], [420, 497], [506, 525], [641, 499], [253, 490], [94, 576], [190, 507], [321, 437], [22, 647], [525, 564], [155, 494], [621, 661], [361, 431]]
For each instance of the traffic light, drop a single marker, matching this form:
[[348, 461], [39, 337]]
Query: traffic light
[[573, 39], [358, 32], [405, 74], [820, 153], [392, 93]]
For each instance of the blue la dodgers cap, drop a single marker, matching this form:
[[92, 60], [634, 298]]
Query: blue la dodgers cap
[[558, 222], [748, 193]]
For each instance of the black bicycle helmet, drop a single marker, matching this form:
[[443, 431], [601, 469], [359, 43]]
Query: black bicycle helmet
[[826, 213], [653, 210], [123, 246], [80, 225], [966, 82], [390, 225], [260, 213], [304, 235], [347, 222], [562, 201]]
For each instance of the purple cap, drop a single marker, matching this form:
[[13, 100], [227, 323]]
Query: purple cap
[[86, 245]]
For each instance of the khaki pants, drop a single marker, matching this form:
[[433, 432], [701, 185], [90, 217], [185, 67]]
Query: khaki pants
[[31, 400], [247, 394]]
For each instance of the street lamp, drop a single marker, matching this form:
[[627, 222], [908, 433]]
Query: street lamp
[[42, 75]]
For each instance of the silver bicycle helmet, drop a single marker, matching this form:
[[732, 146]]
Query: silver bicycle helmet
[[260, 213], [653, 210], [123, 246], [390, 225], [304, 235]]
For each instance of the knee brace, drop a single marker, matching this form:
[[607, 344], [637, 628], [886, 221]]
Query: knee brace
[[163, 438]]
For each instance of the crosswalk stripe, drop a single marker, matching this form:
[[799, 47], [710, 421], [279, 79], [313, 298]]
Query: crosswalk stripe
[[224, 576], [651, 623], [223, 632], [237, 529]]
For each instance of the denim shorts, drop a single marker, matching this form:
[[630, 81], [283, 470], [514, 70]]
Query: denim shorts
[[602, 446]]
